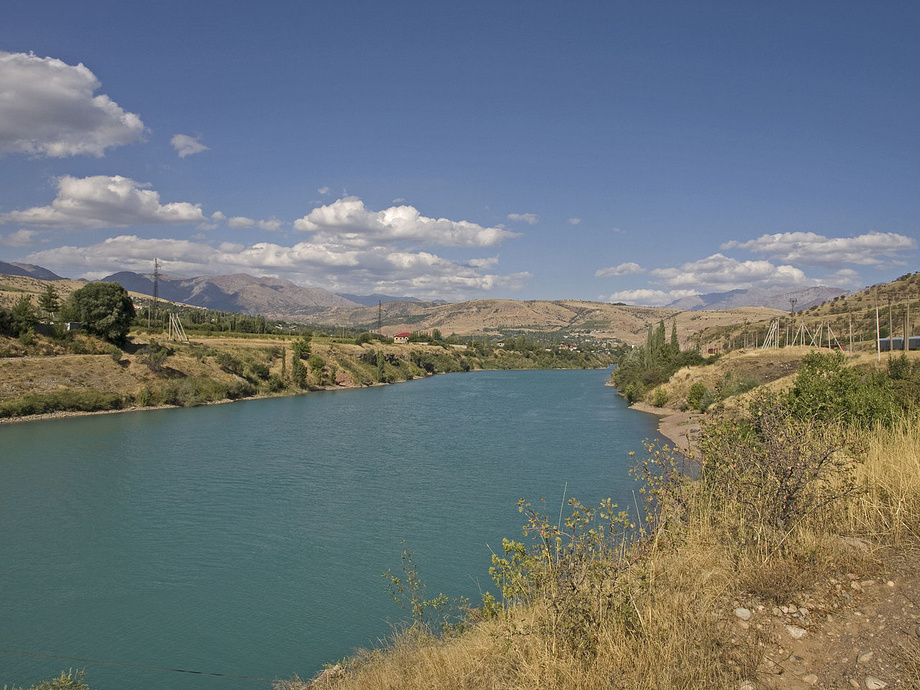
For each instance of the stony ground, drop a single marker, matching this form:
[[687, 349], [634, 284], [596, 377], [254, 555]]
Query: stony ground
[[854, 632]]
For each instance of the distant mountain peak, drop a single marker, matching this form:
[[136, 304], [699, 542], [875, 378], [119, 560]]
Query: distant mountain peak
[[771, 298], [236, 292], [29, 270], [375, 299]]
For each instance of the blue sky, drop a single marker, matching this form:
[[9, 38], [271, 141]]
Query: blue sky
[[634, 152]]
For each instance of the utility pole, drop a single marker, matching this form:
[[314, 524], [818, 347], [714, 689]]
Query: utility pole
[[156, 285], [890, 328]]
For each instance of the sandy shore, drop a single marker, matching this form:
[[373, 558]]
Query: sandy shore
[[680, 428]]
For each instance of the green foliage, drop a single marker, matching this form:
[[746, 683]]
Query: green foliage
[[696, 395], [298, 373], [905, 383], [155, 356], [23, 316], [49, 301], [104, 309], [229, 363], [641, 369], [364, 338], [317, 364], [71, 680], [660, 397], [199, 390], [300, 348], [571, 568], [828, 390], [408, 591], [61, 401], [776, 465]]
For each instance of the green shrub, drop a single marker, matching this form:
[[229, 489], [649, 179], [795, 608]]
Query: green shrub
[[61, 401], [660, 397], [696, 394]]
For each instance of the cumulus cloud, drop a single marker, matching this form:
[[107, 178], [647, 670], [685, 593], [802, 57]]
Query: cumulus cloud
[[241, 222], [574, 221], [48, 109], [627, 269], [721, 273], [529, 218], [105, 202], [186, 145], [371, 269], [649, 297], [869, 249], [349, 222], [20, 238], [323, 190], [271, 225]]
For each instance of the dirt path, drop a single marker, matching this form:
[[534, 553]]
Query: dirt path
[[856, 633]]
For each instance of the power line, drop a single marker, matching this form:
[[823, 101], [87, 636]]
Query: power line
[[124, 665]]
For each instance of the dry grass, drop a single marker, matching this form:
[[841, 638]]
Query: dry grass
[[889, 509]]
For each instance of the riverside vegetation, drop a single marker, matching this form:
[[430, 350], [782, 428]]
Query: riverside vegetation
[[118, 361], [795, 490]]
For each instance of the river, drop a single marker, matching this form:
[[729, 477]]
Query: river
[[249, 539]]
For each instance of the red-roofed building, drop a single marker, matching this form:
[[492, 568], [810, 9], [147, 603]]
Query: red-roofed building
[[401, 338]]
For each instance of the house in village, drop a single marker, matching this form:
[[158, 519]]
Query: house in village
[[401, 338]]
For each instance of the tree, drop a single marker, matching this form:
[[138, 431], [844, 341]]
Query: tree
[[49, 301], [23, 316], [104, 309], [298, 373]]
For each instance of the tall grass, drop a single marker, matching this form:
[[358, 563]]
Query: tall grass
[[888, 510]]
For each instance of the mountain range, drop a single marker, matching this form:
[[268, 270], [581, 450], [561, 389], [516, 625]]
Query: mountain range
[[279, 298], [272, 297], [759, 297], [27, 270]]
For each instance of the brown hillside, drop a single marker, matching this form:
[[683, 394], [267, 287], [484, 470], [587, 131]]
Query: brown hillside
[[628, 324]]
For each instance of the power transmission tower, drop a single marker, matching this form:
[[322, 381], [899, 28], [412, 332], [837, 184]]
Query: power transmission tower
[[176, 332], [379, 315]]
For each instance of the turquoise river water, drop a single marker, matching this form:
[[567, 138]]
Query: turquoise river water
[[249, 539]]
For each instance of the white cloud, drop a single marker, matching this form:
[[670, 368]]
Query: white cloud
[[844, 278], [721, 273], [323, 190], [20, 238], [186, 145], [574, 221], [648, 297], [869, 249], [529, 218], [241, 222], [627, 269], [47, 108], [348, 222], [105, 202], [618, 231], [334, 266], [271, 225]]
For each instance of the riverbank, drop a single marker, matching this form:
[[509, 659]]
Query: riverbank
[[680, 428], [148, 374]]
